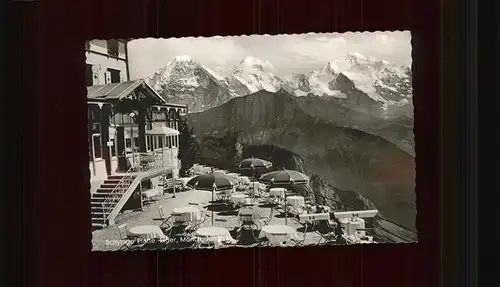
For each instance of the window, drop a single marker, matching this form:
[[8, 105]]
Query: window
[[96, 140], [114, 75], [148, 143], [113, 148], [113, 48], [88, 75], [128, 145], [159, 116], [160, 142], [122, 119], [169, 141]]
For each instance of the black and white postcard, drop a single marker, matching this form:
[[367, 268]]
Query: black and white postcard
[[251, 141]]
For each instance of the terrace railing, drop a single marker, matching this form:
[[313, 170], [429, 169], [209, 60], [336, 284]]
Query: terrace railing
[[380, 225]]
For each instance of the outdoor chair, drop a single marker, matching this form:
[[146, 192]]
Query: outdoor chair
[[224, 195], [326, 230], [130, 241], [246, 237], [248, 222], [295, 210], [148, 198], [195, 225], [164, 224]]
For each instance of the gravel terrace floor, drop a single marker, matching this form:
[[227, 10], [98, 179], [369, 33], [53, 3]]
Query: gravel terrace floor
[[108, 239]]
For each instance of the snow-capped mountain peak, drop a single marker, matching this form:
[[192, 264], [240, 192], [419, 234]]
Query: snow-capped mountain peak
[[184, 80], [252, 75], [183, 58], [251, 62], [362, 83], [182, 71]]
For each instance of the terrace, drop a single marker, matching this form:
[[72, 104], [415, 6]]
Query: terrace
[[180, 217]]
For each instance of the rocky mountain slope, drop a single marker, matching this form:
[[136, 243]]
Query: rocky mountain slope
[[398, 131], [368, 168]]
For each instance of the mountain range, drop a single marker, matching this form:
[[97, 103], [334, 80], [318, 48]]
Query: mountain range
[[354, 91], [367, 85], [344, 163]]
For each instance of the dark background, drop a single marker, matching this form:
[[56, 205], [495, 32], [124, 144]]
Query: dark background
[[53, 210]]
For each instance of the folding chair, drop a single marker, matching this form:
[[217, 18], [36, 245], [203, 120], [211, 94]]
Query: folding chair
[[164, 224], [204, 214], [131, 241], [326, 231]]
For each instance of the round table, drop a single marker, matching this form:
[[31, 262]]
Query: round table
[[257, 185], [278, 234], [147, 232], [213, 234], [186, 214], [296, 201], [238, 198], [277, 192], [247, 214], [243, 179], [354, 224]]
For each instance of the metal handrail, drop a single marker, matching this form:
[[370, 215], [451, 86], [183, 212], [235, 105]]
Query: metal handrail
[[112, 198], [123, 185]]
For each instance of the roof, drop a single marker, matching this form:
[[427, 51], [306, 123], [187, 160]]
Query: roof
[[119, 91], [113, 91], [164, 131]]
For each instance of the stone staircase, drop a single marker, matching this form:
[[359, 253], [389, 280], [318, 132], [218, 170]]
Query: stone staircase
[[99, 213]]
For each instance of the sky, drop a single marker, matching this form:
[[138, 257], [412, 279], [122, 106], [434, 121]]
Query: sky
[[285, 54]]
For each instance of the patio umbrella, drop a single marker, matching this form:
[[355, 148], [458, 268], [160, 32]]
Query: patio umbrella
[[253, 163], [212, 182], [284, 177]]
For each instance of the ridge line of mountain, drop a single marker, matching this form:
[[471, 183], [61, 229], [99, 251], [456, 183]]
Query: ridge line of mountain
[[293, 100]]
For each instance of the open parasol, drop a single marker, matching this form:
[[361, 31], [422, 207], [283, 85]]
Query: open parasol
[[213, 182]]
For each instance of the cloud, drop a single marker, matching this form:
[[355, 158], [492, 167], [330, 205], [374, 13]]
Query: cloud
[[284, 54]]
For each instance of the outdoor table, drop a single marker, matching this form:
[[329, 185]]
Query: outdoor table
[[248, 214], [186, 214], [277, 234], [313, 217], [277, 192], [185, 180], [206, 170], [257, 185], [296, 201], [353, 224], [244, 179], [147, 232], [213, 234], [238, 198]]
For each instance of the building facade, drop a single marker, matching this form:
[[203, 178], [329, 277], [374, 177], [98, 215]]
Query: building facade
[[121, 112], [106, 62]]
